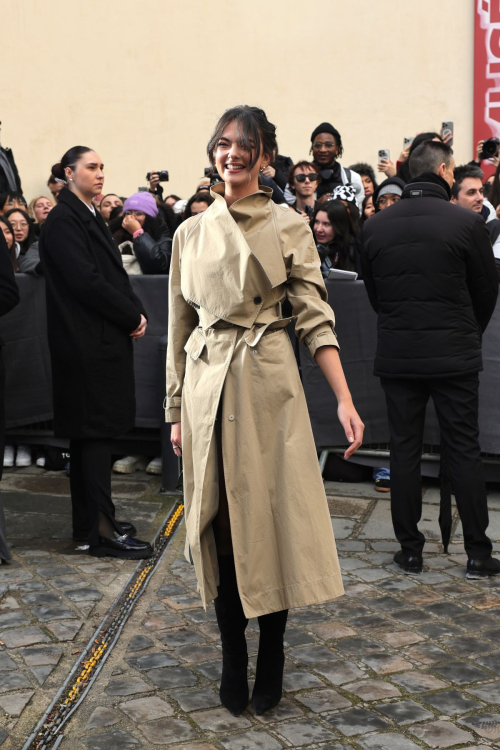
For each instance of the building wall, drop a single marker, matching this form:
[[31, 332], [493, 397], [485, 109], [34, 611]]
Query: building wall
[[144, 82]]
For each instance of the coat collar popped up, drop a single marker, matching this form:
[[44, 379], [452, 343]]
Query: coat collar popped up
[[232, 258]]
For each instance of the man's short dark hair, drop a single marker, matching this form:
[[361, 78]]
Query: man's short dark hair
[[462, 173], [429, 156]]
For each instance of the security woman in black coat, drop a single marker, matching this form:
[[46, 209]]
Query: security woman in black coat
[[93, 317]]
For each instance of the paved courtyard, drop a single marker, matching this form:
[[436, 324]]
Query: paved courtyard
[[399, 662]]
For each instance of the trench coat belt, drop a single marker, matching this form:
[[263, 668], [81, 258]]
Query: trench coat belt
[[259, 328]]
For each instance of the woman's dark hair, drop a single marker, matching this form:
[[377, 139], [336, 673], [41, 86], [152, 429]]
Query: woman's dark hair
[[404, 169], [15, 195], [340, 219], [253, 127], [12, 251], [172, 195], [199, 197], [365, 203], [69, 159], [171, 219], [31, 238], [365, 170]]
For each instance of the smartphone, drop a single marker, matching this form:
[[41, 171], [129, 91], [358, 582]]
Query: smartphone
[[384, 153], [447, 127], [142, 189], [407, 142]]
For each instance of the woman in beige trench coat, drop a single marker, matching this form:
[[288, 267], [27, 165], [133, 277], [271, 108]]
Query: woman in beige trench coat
[[257, 523]]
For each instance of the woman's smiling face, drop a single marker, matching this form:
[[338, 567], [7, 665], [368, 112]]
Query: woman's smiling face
[[232, 160]]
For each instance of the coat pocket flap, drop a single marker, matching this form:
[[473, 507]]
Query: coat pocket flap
[[195, 344]]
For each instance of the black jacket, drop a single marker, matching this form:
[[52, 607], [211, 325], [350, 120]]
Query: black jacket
[[154, 255], [430, 274], [9, 298], [4, 185], [91, 311], [282, 165]]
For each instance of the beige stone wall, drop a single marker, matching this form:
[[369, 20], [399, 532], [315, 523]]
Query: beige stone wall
[[144, 81]]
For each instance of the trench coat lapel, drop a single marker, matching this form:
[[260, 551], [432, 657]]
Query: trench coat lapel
[[222, 273]]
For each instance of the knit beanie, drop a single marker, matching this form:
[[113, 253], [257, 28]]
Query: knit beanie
[[141, 202], [325, 127]]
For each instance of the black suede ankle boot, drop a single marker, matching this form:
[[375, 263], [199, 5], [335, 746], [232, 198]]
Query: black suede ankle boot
[[232, 624], [268, 686]]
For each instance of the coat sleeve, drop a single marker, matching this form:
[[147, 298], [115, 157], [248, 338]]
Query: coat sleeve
[[182, 320], [65, 245], [154, 257], [482, 277], [9, 293], [305, 288]]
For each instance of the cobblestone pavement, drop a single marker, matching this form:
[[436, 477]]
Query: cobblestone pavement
[[399, 662]]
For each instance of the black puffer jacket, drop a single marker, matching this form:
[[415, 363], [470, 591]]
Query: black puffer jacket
[[429, 271]]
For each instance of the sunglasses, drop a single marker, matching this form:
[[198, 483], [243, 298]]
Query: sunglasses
[[301, 177]]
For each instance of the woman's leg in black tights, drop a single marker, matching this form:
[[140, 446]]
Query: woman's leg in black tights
[[228, 608]]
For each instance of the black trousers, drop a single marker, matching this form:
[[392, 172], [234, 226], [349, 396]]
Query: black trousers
[[90, 483], [456, 404]]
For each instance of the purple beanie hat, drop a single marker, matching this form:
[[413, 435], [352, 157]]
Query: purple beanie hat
[[141, 202]]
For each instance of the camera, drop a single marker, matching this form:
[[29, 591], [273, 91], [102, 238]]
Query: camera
[[213, 174], [491, 148], [163, 175]]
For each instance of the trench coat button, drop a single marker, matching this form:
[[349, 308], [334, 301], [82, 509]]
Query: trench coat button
[[257, 300], [231, 417]]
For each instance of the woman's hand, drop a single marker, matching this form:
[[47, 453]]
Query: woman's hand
[[130, 223], [154, 182], [306, 217], [176, 438], [387, 167], [269, 171], [352, 424], [403, 156], [140, 330]]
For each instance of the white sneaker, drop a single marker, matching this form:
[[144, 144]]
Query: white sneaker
[[154, 466], [129, 464], [40, 461], [8, 456], [23, 457]]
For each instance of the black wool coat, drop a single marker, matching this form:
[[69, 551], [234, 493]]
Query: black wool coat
[[430, 274], [91, 311], [9, 298]]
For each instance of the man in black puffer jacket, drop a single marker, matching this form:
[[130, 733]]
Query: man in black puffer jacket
[[430, 274]]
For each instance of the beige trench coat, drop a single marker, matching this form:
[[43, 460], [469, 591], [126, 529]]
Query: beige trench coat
[[230, 271]]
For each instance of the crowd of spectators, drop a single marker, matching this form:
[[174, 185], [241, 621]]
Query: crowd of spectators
[[336, 202]]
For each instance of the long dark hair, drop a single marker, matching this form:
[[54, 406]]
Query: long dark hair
[[70, 159], [339, 218], [253, 126], [31, 238], [12, 250], [202, 197]]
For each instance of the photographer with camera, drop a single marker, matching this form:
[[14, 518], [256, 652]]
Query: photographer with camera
[[154, 179], [150, 236], [303, 181]]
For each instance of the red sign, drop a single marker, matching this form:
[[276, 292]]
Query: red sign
[[486, 70]]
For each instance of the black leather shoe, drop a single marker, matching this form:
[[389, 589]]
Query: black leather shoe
[[409, 562], [122, 546], [482, 568], [128, 529]]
